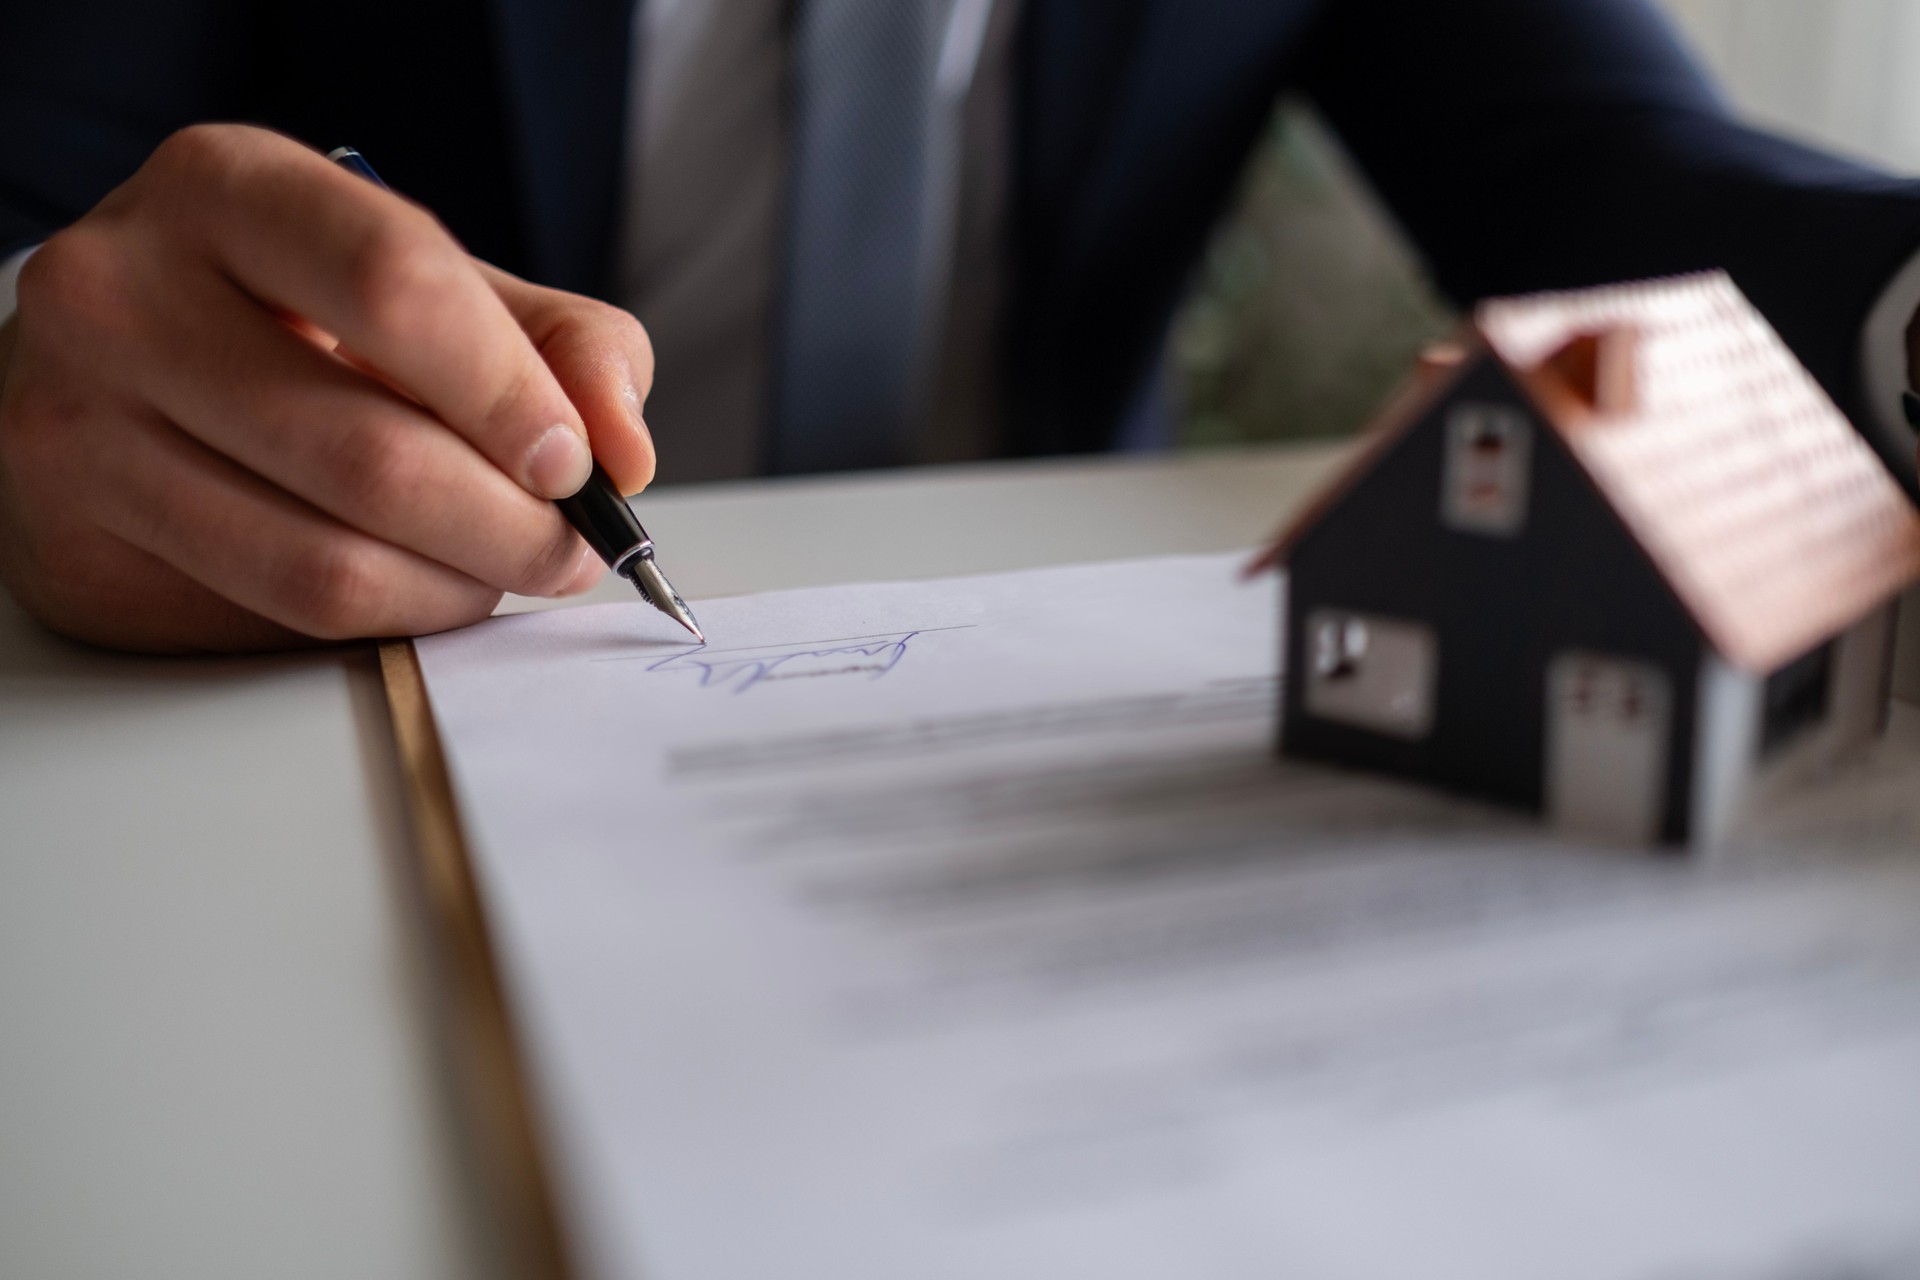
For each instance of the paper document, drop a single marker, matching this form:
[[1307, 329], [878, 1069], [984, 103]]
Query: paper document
[[972, 929]]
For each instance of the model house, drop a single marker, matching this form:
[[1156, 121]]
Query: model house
[[1613, 557]]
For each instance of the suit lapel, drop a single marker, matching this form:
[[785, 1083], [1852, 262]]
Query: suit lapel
[[565, 64], [1076, 57], [1139, 113], [1216, 64]]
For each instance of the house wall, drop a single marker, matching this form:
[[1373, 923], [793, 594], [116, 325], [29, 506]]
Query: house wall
[[1729, 715], [1732, 775], [1906, 661], [1501, 607], [1856, 705]]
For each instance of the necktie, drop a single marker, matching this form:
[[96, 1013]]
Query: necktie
[[866, 203], [704, 232]]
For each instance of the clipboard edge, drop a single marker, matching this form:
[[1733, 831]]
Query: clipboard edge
[[486, 1063]]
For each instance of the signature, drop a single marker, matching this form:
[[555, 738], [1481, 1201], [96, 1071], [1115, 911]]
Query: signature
[[742, 669]]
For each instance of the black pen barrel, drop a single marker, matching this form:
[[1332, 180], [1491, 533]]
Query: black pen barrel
[[604, 519]]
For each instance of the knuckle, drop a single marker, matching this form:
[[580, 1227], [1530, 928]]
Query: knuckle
[[76, 272], [209, 163], [381, 472], [619, 325], [333, 591], [397, 271], [608, 336], [199, 152]]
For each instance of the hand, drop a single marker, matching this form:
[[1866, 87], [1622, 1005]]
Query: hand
[[252, 400]]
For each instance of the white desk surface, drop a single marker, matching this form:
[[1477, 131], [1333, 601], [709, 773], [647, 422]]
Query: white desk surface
[[215, 1047]]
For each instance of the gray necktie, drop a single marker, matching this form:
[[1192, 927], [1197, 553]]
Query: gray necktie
[[864, 201]]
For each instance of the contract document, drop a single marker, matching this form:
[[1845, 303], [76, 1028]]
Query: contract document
[[972, 929]]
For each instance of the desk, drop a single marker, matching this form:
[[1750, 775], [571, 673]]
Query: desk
[[215, 1055]]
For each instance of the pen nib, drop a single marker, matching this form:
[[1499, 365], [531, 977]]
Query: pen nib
[[658, 592]]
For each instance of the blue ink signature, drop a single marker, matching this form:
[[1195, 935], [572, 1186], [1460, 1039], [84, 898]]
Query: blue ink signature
[[741, 670]]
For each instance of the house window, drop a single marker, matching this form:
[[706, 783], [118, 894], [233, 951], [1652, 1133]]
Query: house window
[[1371, 672], [1484, 478], [1796, 698]]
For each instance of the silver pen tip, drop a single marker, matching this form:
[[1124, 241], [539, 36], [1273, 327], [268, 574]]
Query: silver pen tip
[[658, 592]]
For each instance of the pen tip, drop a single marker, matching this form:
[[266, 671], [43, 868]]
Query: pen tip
[[684, 616], [658, 592]]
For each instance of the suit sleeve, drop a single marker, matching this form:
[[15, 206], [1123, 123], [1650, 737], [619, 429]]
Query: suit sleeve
[[88, 88], [1533, 144]]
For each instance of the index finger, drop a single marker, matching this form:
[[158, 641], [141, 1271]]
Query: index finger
[[382, 276]]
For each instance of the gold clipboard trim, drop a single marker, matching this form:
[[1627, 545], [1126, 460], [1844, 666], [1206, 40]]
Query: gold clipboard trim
[[489, 1071]]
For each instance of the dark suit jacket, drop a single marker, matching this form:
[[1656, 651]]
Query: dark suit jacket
[[1523, 144]]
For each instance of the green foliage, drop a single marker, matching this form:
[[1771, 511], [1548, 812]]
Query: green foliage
[[1309, 307]]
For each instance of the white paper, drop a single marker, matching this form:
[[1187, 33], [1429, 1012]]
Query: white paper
[[972, 929]]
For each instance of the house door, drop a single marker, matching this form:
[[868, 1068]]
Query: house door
[[1606, 760]]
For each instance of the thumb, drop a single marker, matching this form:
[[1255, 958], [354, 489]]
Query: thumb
[[603, 360]]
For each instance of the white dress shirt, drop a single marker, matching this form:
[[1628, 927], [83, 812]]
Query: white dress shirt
[[700, 254], [700, 238]]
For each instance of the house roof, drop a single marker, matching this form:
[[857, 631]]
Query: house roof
[[1768, 515]]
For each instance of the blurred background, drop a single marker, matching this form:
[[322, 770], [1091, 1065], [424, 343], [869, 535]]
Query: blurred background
[[1310, 306]]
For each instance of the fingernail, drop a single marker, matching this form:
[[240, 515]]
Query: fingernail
[[559, 463]]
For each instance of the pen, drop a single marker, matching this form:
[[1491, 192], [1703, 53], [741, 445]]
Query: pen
[[598, 511]]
